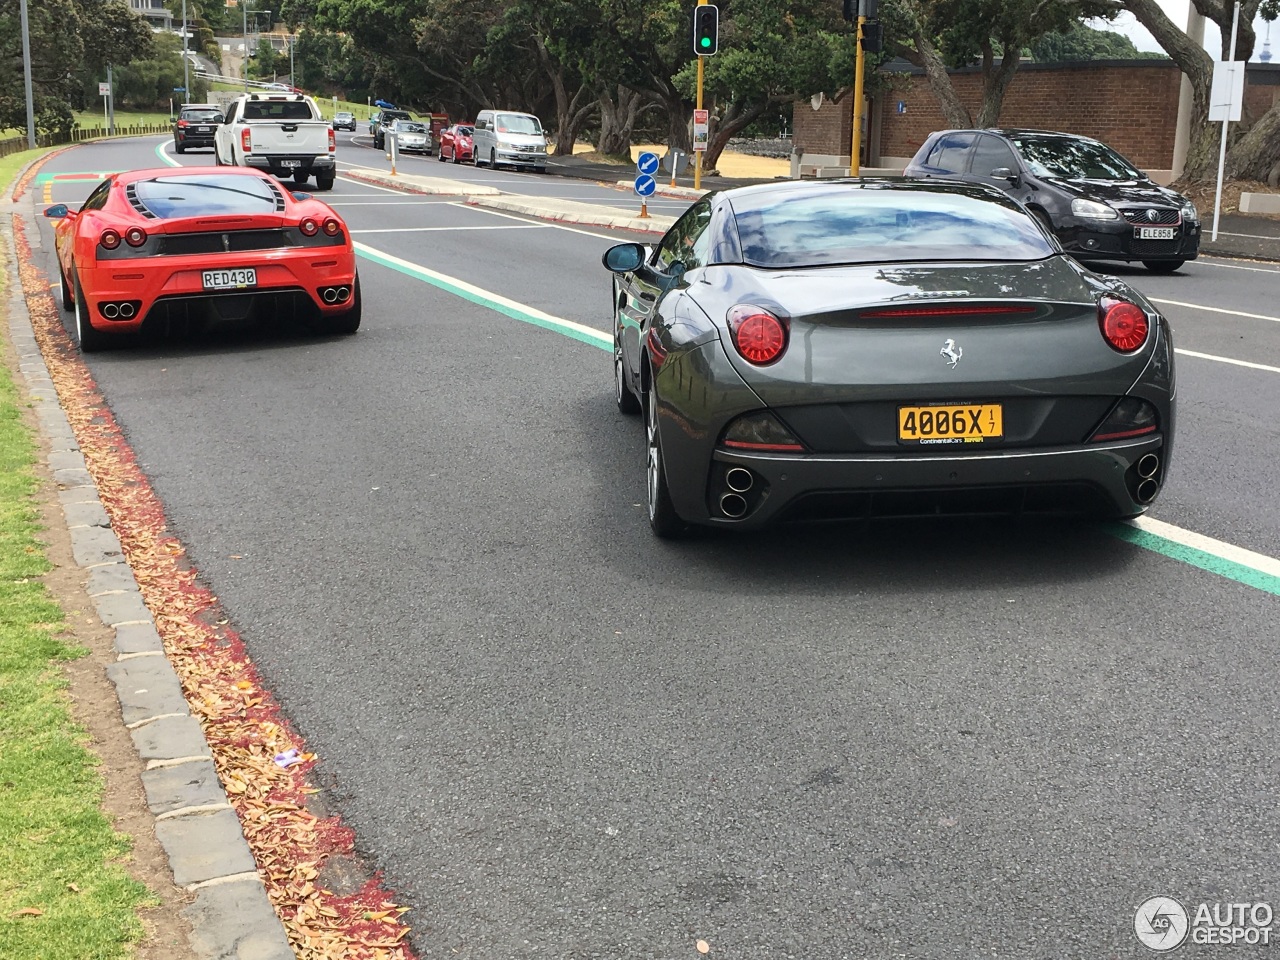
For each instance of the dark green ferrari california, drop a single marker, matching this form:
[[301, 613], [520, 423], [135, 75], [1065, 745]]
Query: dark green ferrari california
[[884, 348]]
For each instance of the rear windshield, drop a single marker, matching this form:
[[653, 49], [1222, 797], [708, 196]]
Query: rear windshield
[[1074, 159], [277, 110], [836, 224], [518, 123], [208, 194], [202, 116]]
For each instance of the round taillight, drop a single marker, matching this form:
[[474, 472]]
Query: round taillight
[[135, 236], [759, 336], [109, 239], [332, 227], [1124, 324], [309, 227]]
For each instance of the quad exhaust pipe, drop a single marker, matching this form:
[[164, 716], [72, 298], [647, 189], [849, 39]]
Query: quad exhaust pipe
[[1147, 490], [1148, 467], [733, 505], [739, 479], [110, 311], [1148, 464]]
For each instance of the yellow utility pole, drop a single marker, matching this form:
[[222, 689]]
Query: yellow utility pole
[[855, 152]]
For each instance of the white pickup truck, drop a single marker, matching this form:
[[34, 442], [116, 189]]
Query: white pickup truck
[[281, 133]]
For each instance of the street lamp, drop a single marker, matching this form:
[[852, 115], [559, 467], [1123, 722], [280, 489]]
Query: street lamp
[[244, 63]]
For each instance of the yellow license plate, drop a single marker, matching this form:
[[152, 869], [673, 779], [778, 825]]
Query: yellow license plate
[[951, 423]]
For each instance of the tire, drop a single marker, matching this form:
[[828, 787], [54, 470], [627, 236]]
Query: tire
[[300, 179], [91, 340], [663, 519], [455, 157], [1163, 266], [626, 400], [440, 156], [179, 148], [324, 181], [344, 324], [1044, 220], [68, 300]]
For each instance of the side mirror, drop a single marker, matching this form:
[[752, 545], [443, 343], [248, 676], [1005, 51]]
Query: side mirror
[[1004, 173], [624, 258], [57, 211]]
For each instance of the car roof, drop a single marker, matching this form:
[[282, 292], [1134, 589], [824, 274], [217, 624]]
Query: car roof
[[782, 188], [1017, 132]]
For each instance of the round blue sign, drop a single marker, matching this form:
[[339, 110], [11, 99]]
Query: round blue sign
[[648, 163], [645, 185]]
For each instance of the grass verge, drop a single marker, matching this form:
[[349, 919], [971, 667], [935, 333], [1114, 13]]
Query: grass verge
[[64, 892]]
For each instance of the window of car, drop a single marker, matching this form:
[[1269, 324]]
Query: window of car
[[688, 240], [464, 131], [519, 123], [277, 110], [98, 198], [409, 126], [836, 224], [205, 195], [210, 115], [950, 152], [1073, 158], [991, 153]]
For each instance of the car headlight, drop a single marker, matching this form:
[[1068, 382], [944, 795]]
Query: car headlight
[[1189, 212], [1093, 210]]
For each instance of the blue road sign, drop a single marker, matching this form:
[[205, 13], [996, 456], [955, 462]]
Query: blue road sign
[[648, 163], [645, 185], [179, 89]]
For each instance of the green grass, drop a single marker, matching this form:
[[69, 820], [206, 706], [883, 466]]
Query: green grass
[[124, 118], [10, 165], [58, 852]]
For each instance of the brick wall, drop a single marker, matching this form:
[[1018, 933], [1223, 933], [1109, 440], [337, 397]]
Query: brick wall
[[1132, 105]]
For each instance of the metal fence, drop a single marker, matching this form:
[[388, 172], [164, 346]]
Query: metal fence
[[78, 134]]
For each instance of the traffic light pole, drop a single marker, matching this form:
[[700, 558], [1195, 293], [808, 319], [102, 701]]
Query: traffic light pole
[[697, 154], [855, 151]]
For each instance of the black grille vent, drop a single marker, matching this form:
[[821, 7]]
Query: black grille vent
[[1164, 216], [1143, 248], [229, 241], [278, 195], [131, 194]]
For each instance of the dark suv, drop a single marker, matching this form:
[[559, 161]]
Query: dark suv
[[196, 126], [1100, 206], [383, 119]]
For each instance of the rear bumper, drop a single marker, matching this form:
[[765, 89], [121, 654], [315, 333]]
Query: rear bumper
[[194, 139], [1101, 480], [276, 165], [1116, 240]]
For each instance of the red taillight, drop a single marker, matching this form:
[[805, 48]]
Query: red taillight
[[1124, 325], [246, 142], [333, 141], [109, 239], [332, 227], [759, 336], [182, 123], [309, 227], [135, 236]]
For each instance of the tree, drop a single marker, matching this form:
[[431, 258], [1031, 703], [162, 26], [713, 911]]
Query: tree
[[1254, 148], [1080, 42], [264, 61], [937, 34]]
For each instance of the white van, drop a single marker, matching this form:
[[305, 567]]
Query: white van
[[516, 139]]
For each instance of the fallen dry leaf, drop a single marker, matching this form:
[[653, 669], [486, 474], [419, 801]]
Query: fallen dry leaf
[[29, 912]]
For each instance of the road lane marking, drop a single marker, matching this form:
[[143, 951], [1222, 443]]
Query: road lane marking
[[1238, 363], [1216, 556], [1234, 266], [1234, 313], [487, 298], [1247, 236], [492, 226], [520, 219]]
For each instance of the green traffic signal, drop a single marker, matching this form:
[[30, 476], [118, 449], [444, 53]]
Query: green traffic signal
[[706, 29]]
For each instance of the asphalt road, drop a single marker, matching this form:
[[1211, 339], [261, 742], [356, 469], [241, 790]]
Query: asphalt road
[[560, 737]]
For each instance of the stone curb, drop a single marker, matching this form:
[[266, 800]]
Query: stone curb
[[231, 918], [412, 183], [678, 193], [583, 214]]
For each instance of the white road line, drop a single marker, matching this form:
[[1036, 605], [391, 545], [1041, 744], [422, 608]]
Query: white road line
[[1234, 266], [1233, 313], [1238, 363], [1218, 548], [407, 201], [558, 226], [1247, 236], [494, 226]]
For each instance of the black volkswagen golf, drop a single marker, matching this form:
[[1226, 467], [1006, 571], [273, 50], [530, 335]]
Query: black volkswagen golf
[[1098, 204]]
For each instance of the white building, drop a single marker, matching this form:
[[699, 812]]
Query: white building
[[157, 14]]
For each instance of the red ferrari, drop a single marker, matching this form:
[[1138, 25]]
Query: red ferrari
[[455, 143], [200, 244]]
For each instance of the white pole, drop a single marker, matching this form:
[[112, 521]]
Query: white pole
[[1226, 119], [26, 76], [186, 64]]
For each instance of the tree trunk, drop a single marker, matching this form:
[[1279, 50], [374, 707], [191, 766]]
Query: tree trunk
[[736, 118], [995, 81], [679, 136], [617, 121], [1256, 155], [955, 113]]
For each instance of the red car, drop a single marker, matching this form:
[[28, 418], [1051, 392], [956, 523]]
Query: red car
[[455, 143], [203, 244]]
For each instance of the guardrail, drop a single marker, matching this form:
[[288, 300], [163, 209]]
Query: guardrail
[[79, 134]]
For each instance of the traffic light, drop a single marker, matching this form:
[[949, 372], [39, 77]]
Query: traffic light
[[873, 37], [851, 10], [706, 29]]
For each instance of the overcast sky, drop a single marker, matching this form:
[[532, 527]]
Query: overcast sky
[[1177, 10]]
